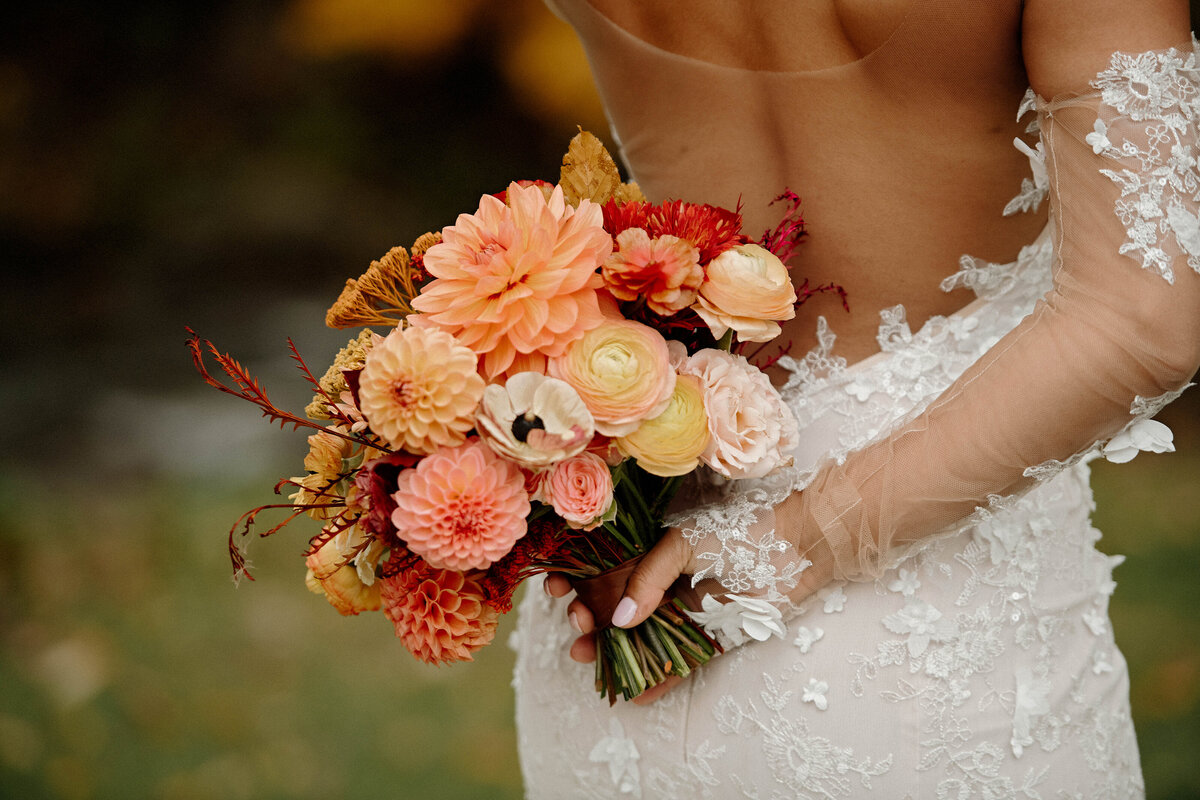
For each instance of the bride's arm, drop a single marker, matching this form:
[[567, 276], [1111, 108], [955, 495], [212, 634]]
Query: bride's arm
[[1120, 326]]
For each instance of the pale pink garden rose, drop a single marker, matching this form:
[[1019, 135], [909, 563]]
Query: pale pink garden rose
[[419, 389], [534, 420], [752, 430], [517, 279], [462, 507], [671, 443], [664, 270], [580, 489], [746, 288], [622, 372]]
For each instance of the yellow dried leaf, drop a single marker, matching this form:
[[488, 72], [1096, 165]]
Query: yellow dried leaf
[[588, 171], [629, 193]]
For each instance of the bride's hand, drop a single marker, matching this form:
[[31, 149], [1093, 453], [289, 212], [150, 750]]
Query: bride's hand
[[642, 594]]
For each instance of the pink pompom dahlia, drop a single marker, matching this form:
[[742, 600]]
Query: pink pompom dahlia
[[439, 614], [518, 278], [461, 507]]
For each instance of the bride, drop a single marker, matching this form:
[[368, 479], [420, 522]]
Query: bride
[[930, 550]]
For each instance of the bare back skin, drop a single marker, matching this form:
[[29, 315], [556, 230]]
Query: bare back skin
[[892, 119]]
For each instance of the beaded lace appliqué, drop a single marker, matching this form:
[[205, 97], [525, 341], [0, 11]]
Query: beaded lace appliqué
[[1155, 100]]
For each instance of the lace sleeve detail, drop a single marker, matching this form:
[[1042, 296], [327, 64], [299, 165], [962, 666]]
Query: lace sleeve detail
[[735, 543], [1109, 339]]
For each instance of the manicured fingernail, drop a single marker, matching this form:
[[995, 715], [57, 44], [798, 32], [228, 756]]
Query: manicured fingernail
[[574, 622], [546, 587], [623, 613]]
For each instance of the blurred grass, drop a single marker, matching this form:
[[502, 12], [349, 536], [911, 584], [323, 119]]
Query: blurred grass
[[132, 667]]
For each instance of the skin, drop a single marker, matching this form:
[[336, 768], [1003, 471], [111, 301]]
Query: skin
[[1064, 43]]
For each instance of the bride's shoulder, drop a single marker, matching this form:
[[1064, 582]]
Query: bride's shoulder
[[1065, 43]]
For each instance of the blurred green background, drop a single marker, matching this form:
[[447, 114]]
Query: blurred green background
[[227, 166]]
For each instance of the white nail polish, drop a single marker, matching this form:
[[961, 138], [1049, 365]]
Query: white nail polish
[[623, 613], [574, 620]]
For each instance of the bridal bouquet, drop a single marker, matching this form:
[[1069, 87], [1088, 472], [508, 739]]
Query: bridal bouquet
[[535, 382]]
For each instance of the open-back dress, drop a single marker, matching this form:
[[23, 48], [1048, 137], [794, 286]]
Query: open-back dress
[[999, 339]]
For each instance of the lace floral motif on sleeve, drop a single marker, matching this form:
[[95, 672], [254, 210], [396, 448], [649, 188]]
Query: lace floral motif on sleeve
[[735, 539], [1148, 124]]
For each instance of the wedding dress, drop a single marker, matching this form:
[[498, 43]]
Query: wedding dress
[[963, 648]]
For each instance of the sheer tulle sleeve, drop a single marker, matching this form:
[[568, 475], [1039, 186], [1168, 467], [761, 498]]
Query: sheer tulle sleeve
[[1116, 338]]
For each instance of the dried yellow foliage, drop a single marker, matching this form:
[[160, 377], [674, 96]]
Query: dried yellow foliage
[[629, 193], [380, 296], [426, 241], [588, 171]]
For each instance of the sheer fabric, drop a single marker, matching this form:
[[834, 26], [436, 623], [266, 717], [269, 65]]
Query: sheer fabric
[[962, 648], [1117, 336]]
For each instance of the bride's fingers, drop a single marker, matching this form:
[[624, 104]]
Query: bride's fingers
[[557, 585], [583, 649], [580, 617], [650, 580], [654, 692]]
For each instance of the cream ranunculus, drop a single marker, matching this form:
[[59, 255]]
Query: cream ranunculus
[[534, 420], [753, 430], [671, 443], [746, 288], [623, 373]]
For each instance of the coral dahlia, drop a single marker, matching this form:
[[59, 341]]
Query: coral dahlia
[[517, 277], [439, 614], [419, 389], [462, 507]]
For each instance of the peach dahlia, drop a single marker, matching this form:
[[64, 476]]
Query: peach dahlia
[[517, 277], [419, 389]]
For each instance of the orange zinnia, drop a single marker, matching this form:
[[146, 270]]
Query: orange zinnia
[[517, 279]]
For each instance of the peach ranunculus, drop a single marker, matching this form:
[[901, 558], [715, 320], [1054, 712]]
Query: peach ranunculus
[[439, 614], [665, 270], [533, 420], [419, 389], [517, 278], [622, 371], [671, 443], [461, 507], [330, 574], [748, 289], [580, 489], [752, 430]]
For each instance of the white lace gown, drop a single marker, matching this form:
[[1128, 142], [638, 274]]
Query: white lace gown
[[980, 664], [983, 666]]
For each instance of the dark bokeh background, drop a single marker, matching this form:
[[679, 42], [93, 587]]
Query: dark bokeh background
[[227, 166]]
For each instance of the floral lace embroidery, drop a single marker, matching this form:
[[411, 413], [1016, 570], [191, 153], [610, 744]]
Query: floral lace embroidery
[[1160, 189]]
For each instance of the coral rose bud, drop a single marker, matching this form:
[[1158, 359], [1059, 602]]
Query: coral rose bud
[[671, 443], [622, 372], [664, 270], [746, 288], [581, 491]]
